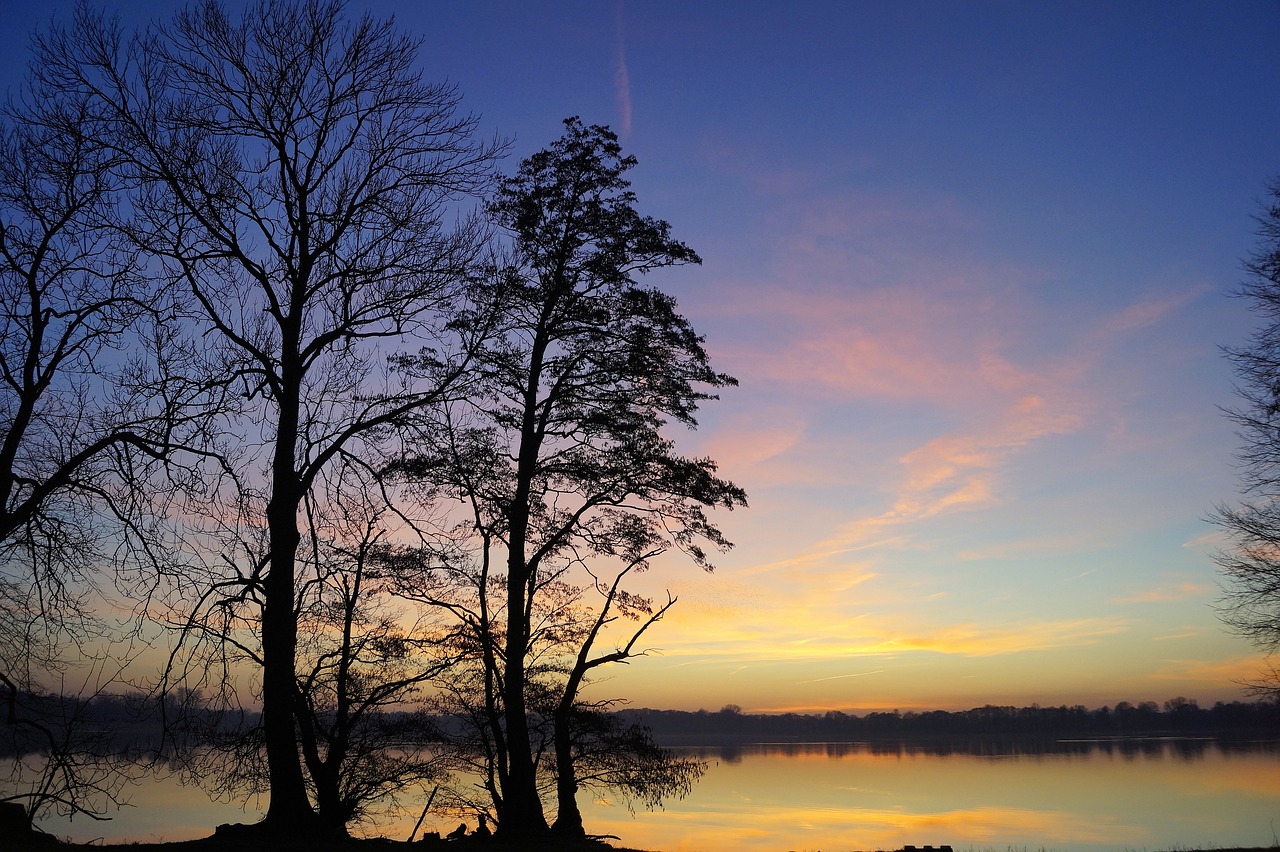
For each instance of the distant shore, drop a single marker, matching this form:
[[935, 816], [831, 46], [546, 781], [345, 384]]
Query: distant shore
[[989, 724]]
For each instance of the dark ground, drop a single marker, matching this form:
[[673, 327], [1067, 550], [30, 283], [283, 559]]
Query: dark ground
[[258, 844], [255, 843]]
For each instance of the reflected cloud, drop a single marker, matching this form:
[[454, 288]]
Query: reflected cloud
[[1253, 780], [820, 796]]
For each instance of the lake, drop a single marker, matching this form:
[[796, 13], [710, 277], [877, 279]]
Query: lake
[[1081, 796]]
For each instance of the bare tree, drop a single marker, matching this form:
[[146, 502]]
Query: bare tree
[[87, 408], [574, 743], [366, 666], [566, 422], [297, 178], [61, 757], [69, 296], [366, 663], [1251, 567]]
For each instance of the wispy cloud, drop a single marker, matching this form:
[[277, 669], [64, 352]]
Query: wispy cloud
[[1152, 308], [748, 442], [816, 626], [956, 472], [1214, 671], [1189, 634], [1171, 592], [1023, 548], [976, 640]]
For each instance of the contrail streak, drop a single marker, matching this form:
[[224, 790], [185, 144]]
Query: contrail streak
[[621, 78]]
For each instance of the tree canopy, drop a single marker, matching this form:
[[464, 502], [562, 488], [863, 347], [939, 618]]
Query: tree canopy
[[559, 448]]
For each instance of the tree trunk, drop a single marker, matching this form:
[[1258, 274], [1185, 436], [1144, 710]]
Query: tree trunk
[[331, 814], [568, 818], [289, 808], [289, 803], [523, 815]]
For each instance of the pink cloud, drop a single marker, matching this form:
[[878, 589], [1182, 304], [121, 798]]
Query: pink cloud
[[895, 345], [950, 339], [961, 471], [1153, 308], [748, 442]]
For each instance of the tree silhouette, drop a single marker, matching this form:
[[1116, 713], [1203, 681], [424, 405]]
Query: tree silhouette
[[295, 177], [1251, 567], [367, 661], [559, 450], [89, 409]]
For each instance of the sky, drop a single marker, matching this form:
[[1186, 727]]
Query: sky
[[972, 265]]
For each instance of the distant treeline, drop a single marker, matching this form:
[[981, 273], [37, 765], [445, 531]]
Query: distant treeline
[[119, 724], [106, 724], [1176, 717]]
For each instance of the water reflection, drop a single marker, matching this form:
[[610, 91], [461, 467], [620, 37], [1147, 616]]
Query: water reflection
[[1074, 795], [1179, 748], [1068, 795]]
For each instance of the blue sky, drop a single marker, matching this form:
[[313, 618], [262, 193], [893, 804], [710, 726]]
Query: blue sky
[[971, 263]]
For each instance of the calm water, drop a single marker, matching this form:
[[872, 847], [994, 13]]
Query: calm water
[[1160, 794]]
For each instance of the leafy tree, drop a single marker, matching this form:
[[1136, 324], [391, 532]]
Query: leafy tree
[[1251, 567], [611, 754], [590, 748], [297, 178], [559, 451]]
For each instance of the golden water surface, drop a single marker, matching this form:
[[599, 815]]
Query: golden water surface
[[834, 797]]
